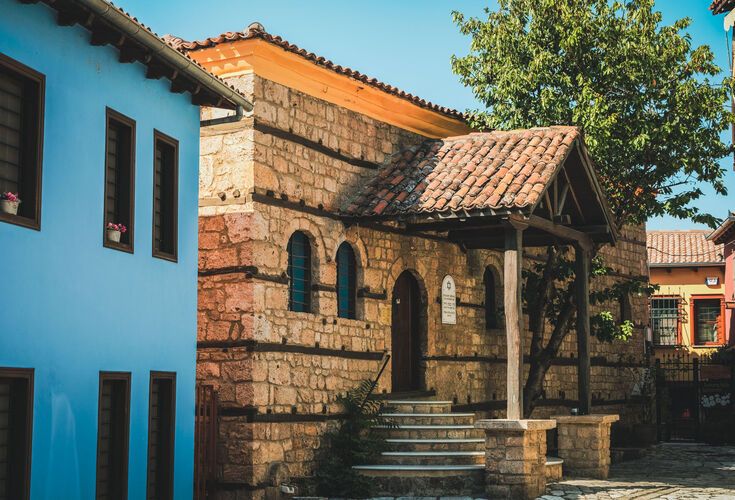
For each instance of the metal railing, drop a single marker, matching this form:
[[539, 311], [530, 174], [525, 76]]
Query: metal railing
[[374, 384]]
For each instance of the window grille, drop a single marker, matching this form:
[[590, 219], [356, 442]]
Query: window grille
[[665, 320], [346, 281], [299, 273], [491, 312]]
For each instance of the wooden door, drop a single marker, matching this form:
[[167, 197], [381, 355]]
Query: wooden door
[[406, 346]]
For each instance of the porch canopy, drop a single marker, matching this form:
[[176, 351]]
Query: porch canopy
[[501, 190]]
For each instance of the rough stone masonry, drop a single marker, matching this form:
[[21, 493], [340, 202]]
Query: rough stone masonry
[[278, 372]]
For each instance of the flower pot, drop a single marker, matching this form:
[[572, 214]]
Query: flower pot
[[113, 236], [9, 207]]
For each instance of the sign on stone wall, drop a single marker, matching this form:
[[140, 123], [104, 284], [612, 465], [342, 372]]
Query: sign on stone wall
[[449, 301]]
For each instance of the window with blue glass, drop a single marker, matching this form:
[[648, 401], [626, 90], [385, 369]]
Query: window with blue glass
[[491, 313], [299, 273], [346, 282]]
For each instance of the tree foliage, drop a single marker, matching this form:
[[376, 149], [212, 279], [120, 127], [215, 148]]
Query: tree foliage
[[651, 107]]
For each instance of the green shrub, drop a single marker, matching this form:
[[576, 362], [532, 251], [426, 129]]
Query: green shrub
[[351, 443]]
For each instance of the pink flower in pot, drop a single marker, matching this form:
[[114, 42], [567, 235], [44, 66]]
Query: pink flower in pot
[[114, 231], [9, 203]]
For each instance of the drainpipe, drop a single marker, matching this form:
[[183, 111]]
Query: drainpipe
[[238, 116], [165, 52]]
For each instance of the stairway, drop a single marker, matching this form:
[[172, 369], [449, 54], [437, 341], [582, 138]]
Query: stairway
[[433, 452]]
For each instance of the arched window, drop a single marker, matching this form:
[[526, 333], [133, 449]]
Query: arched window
[[346, 281], [491, 313], [299, 273]]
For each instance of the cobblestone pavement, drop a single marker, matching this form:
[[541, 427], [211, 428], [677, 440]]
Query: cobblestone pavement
[[670, 471]]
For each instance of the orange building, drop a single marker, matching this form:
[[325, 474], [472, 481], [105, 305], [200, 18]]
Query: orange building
[[688, 309]]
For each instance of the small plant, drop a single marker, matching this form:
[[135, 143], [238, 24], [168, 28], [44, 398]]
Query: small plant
[[116, 227], [351, 443], [8, 196], [114, 231], [9, 202]]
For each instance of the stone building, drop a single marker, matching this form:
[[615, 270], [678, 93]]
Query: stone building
[[297, 304]]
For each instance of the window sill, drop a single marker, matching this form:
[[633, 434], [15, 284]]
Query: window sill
[[122, 247], [19, 220], [165, 256]]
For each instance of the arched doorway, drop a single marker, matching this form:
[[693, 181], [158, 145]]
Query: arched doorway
[[406, 334]]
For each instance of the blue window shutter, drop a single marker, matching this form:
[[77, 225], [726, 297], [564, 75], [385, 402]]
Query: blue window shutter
[[491, 314], [299, 273], [346, 282]]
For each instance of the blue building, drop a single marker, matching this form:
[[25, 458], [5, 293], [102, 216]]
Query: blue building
[[99, 126]]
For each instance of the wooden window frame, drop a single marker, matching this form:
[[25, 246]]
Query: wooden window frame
[[351, 280], [26, 374], [111, 114], [693, 323], [308, 281], [172, 257], [679, 321], [172, 377], [40, 79], [126, 377]]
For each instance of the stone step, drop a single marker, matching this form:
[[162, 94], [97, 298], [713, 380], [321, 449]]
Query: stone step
[[429, 431], [554, 468], [476, 444], [432, 457], [418, 406], [425, 480], [430, 418]]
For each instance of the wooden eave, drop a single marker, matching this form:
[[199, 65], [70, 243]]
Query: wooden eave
[[130, 50], [276, 64]]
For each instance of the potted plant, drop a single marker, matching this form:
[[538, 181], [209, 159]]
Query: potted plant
[[9, 203], [114, 231]]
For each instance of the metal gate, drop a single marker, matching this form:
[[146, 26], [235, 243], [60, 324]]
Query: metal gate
[[205, 440], [693, 395]]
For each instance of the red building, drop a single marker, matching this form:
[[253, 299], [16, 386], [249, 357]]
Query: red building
[[725, 235]]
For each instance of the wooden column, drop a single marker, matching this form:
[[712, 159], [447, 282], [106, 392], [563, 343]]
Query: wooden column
[[512, 286], [582, 286]]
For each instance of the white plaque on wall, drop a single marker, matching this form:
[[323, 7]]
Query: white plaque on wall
[[449, 301]]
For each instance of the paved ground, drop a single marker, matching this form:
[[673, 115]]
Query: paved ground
[[670, 471]]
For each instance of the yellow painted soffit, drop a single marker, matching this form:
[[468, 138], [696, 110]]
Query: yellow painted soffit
[[277, 64]]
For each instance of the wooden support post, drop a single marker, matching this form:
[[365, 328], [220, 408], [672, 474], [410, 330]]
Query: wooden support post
[[582, 286], [513, 264]]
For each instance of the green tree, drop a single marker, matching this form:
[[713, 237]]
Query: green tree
[[652, 109]]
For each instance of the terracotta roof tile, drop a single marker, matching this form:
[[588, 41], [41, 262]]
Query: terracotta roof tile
[[682, 247], [256, 30], [489, 170], [721, 6]]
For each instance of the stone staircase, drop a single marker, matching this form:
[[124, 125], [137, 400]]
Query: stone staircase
[[433, 452]]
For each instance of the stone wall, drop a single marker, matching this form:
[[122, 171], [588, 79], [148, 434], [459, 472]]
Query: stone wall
[[279, 372]]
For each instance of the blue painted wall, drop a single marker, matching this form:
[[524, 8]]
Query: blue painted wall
[[70, 307]]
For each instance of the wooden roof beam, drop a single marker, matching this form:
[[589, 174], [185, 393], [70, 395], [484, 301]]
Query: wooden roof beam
[[562, 232]]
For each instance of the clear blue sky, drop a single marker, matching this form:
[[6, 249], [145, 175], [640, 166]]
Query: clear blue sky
[[407, 43]]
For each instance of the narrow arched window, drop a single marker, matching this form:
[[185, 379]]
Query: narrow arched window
[[346, 281], [299, 273], [491, 313]]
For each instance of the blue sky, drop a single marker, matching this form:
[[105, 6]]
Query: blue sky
[[406, 43]]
